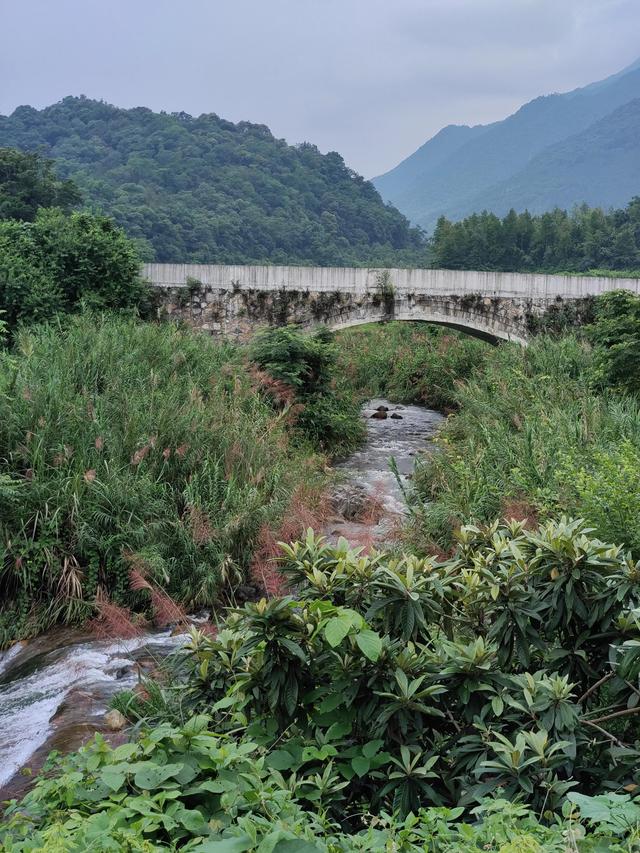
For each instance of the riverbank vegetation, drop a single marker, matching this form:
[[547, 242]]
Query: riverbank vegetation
[[482, 698], [407, 362], [131, 448], [483, 702], [134, 447], [534, 436], [550, 429], [302, 370], [535, 432]]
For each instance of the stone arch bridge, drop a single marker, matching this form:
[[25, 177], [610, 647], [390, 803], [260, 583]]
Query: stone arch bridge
[[235, 301]]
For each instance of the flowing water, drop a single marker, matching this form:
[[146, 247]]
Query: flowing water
[[54, 690], [371, 503]]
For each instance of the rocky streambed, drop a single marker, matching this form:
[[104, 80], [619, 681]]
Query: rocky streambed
[[369, 501]]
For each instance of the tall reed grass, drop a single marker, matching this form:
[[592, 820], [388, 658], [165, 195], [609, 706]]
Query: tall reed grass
[[128, 444], [533, 437]]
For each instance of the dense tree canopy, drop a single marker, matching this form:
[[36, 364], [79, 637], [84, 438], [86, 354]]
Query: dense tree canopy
[[616, 334], [57, 263], [585, 239], [27, 182], [207, 190]]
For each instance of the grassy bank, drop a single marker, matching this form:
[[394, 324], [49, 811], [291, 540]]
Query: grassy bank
[[533, 437], [126, 447]]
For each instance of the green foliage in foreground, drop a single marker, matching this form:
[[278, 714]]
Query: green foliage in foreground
[[123, 445], [484, 702], [57, 263], [186, 788]]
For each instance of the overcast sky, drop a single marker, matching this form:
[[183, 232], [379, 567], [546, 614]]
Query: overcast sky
[[372, 79]]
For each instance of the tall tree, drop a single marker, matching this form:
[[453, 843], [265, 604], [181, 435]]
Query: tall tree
[[27, 182]]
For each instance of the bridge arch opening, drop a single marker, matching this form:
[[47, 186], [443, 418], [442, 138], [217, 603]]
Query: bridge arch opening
[[473, 331]]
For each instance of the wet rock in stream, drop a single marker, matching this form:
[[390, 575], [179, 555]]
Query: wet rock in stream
[[349, 500], [115, 720]]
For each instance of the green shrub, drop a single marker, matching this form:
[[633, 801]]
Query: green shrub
[[58, 263], [427, 682], [606, 487], [185, 788], [303, 367], [616, 335], [302, 361], [482, 702]]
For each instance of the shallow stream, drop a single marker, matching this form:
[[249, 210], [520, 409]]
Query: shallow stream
[[55, 690]]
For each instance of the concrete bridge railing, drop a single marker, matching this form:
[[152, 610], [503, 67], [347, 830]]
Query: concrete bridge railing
[[237, 300]]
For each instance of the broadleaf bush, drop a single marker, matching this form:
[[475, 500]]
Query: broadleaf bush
[[497, 694]]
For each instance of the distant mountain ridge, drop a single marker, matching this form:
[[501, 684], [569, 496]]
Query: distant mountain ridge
[[203, 189], [463, 169], [594, 165]]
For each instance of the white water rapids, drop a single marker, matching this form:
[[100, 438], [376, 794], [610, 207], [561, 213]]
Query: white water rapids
[[34, 685]]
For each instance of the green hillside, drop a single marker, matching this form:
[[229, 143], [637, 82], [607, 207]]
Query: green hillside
[[207, 190]]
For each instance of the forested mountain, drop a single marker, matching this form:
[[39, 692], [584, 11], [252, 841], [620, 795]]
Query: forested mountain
[[207, 190], [405, 178], [523, 160]]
